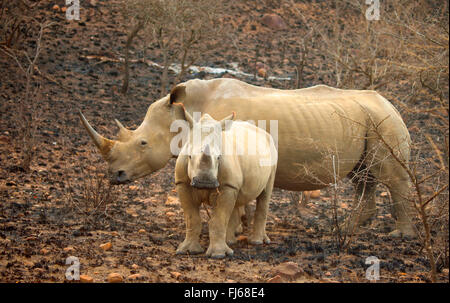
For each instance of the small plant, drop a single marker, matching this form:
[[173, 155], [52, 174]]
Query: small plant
[[91, 197]]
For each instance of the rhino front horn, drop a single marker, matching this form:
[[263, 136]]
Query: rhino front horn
[[103, 144]]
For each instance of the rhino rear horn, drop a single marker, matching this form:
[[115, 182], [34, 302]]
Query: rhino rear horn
[[124, 133], [103, 144]]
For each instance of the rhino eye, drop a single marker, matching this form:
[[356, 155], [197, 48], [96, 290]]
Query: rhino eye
[[143, 142]]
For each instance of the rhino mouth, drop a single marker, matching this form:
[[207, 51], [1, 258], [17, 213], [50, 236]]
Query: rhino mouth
[[117, 182], [204, 184], [119, 177]]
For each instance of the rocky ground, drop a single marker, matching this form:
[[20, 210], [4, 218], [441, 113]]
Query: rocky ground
[[45, 215]]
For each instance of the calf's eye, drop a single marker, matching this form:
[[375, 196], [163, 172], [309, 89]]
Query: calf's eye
[[143, 143]]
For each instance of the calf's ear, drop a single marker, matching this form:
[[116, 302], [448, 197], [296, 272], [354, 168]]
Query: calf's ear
[[223, 122], [177, 94]]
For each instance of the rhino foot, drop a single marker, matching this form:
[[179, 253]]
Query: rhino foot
[[231, 240], [219, 252], [259, 240], [406, 234], [239, 229], [189, 247]]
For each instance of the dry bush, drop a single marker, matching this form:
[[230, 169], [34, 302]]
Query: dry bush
[[183, 30], [14, 22], [90, 195], [26, 114], [404, 56]]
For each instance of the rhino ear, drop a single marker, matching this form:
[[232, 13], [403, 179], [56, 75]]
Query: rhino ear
[[177, 94]]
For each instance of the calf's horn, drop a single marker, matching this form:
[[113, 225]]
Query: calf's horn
[[103, 144]]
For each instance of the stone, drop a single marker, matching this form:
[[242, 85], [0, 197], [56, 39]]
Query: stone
[[115, 278], [276, 279], [262, 72], [134, 266], [242, 238], [172, 201], [273, 21], [288, 271], [28, 263], [170, 214], [69, 249], [315, 194], [175, 274], [86, 279], [56, 8], [44, 251], [135, 277], [142, 231], [106, 246]]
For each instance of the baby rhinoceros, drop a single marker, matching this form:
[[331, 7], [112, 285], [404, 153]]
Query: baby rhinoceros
[[224, 164]]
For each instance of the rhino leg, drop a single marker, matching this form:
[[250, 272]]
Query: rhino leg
[[258, 235], [218, 224], [234, 225], [402, 209], [192, 218], [364, 206], [391, 173]]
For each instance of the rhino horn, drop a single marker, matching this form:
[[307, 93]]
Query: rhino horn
[[103, 144], [124, 133]]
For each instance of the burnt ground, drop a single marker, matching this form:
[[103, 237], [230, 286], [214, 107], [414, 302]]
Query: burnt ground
[[44, 216]]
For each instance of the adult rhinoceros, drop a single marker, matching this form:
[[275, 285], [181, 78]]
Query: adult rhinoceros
[[323, 133]]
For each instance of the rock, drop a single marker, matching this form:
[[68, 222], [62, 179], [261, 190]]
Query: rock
[[242, 238], [288, 271], [262, 72], [63, 9], [69, 249], [56, 8], [175, 274], [314, 194], [230, 281], [276, 279], [172, 201], [170, 214], [4, 139], [114, 234], [28, 263], [106, 246], [39, 270], [115, 278], [44, 251], [134, 266], [273, 21], [131, 212], [5, 242], [86, 279], [135, 277], [142, 231]]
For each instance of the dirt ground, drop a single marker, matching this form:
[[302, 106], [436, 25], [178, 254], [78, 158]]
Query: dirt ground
[[43, 219]]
